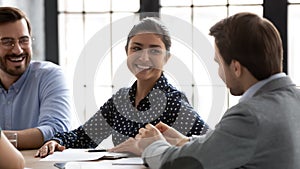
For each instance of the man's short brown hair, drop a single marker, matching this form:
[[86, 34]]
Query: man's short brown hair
[[12, 14], [251, 40]]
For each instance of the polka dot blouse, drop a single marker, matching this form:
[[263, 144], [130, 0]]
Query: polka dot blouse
[[118, 116]]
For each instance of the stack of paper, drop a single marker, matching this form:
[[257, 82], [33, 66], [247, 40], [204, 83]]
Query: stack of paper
[[129, 161], [81, 155]]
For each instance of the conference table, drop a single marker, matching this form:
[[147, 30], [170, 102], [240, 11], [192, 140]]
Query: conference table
[[32, 162]]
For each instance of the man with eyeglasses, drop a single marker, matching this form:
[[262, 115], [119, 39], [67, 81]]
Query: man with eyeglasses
[[35, 101]]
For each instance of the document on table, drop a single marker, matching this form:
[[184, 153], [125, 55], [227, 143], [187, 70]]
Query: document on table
[[105, 164], [129, 161], [81, 155]]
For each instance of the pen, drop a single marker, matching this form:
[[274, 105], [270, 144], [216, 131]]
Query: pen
[[97, 150]]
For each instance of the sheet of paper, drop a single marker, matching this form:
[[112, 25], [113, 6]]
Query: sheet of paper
[[79, 155], [129, 161], [105, 164]]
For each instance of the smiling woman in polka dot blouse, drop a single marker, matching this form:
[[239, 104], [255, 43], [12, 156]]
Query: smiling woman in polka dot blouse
[[150, 99]]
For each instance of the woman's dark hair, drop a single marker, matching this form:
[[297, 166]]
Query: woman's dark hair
[[151, 25], [251, 40], [11, 14]]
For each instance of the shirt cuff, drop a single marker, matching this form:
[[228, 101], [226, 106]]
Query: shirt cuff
[[46, 131], [153, 153]]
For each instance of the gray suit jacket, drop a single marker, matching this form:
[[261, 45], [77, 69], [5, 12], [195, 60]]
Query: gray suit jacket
[[262, 132]]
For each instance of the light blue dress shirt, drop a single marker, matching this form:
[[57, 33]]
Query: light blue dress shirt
[[40, 98], [254, 88]]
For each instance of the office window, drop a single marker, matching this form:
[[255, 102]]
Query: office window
[[199, 16], [293, 1], [79, 22], [293, 40]]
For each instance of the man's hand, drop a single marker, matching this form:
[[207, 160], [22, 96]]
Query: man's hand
[[49, 148], [148, 135], [171, 135], [129, 145]]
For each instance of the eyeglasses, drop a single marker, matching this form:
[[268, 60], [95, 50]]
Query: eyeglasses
[[10, 43]]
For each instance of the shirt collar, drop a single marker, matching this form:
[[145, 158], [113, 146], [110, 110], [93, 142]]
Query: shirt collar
[[161, 83], [254, 88]]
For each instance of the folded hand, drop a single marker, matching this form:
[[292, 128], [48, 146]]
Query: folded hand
[[129, 145], [148, 135], [171, 135]]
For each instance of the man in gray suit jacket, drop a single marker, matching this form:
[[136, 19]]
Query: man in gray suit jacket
[[262, 131]]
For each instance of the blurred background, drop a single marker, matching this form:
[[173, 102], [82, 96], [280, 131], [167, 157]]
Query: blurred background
[[62, 29]]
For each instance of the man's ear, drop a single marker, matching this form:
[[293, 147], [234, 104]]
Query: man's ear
[[236, 67]]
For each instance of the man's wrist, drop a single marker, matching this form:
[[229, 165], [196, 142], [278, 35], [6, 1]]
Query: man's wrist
[[183, 141]]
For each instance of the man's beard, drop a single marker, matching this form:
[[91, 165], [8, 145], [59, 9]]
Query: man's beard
[[16, 70]]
